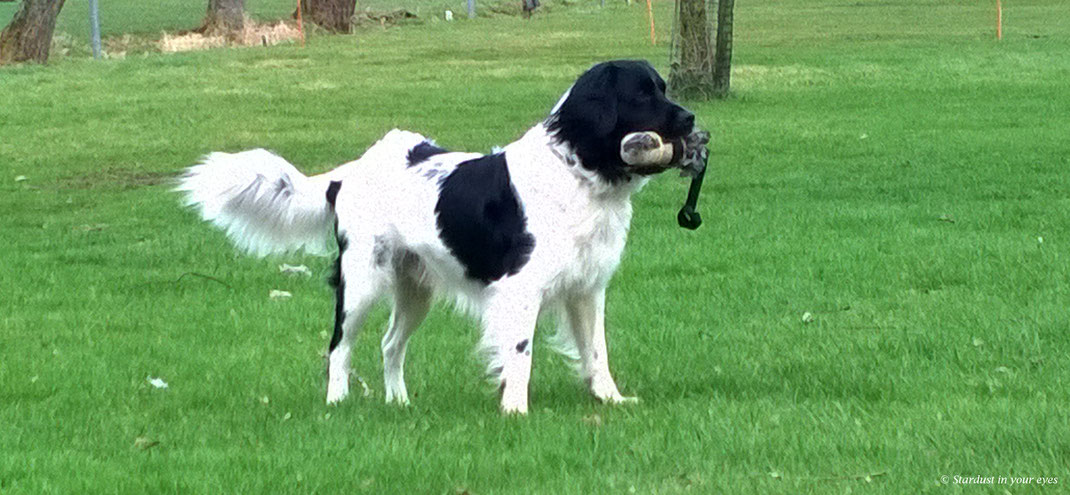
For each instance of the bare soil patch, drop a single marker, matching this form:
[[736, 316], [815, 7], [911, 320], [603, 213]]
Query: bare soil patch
[[254, 34]]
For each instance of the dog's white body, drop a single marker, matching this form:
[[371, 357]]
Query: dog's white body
[[557, 219], [385, 207]]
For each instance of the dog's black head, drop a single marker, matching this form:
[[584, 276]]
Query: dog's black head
[[610, 101]]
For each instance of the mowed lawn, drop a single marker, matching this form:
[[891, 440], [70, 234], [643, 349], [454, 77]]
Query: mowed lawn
[[887, 167]]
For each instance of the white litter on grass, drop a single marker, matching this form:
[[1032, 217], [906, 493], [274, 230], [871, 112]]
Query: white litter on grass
[[1040, 240], [275, 295], [449, 15], [365, 390], [20, 178], [157, 382], [807, 317], [295, 270]]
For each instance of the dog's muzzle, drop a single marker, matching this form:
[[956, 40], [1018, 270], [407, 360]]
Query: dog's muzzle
[[647, 153]]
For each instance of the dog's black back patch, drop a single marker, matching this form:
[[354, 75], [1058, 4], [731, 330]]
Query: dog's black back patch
[[421, 152], [481, 221]]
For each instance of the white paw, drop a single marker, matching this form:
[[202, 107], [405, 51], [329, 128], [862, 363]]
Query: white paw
[[337, 388], [514, 409], [605, 390], [619, 399], [514, 400], [400, 397], [336, 394]]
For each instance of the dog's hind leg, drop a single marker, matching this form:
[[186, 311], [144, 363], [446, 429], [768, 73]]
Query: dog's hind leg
[[411, 303], [586, 319], [358, 285]]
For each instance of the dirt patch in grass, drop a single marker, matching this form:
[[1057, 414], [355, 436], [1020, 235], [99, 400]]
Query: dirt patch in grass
[[254, 34], [114, 178]]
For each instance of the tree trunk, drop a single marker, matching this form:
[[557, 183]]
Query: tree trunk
[[335, 16], [722, 72], [692, 71], [29, 36], [224, 17]]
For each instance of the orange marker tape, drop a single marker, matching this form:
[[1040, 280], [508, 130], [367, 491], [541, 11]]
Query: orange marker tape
[[300, 25], [999, 19]]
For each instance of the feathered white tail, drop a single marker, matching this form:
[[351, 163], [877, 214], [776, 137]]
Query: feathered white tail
[[264, 204]]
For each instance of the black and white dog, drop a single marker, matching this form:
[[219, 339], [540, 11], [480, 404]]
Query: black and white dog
[[537, 227]]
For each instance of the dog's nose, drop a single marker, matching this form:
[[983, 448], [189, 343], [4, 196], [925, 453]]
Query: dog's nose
[[684, 122]]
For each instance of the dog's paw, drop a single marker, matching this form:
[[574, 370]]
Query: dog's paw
[[336, 396], [514, 399], [401, 399], [619, 400], [603, 388], [514, 410]]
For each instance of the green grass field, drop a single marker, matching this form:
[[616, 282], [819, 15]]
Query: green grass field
[[887, 167]]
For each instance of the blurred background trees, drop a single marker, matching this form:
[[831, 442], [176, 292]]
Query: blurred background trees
[[700, 66], [28, 37]]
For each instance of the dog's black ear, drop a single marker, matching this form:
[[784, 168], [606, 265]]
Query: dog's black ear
[[593, 100]]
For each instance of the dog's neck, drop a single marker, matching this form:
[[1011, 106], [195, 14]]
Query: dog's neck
[[566, 159]]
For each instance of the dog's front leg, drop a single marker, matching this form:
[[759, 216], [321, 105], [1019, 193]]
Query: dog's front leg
[[586, 319], [508, 328]]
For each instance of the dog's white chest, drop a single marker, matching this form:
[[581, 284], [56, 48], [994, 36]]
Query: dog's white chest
[[597, 241], [580, 224]]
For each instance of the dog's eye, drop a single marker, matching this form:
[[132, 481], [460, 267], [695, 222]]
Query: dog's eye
[[641, 98], [647, 87], [645, 93]]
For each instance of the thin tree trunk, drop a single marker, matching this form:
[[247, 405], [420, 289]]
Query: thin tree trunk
[[333, 15], [692, 70], [29, 36], [224, 17], [722, 73]]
